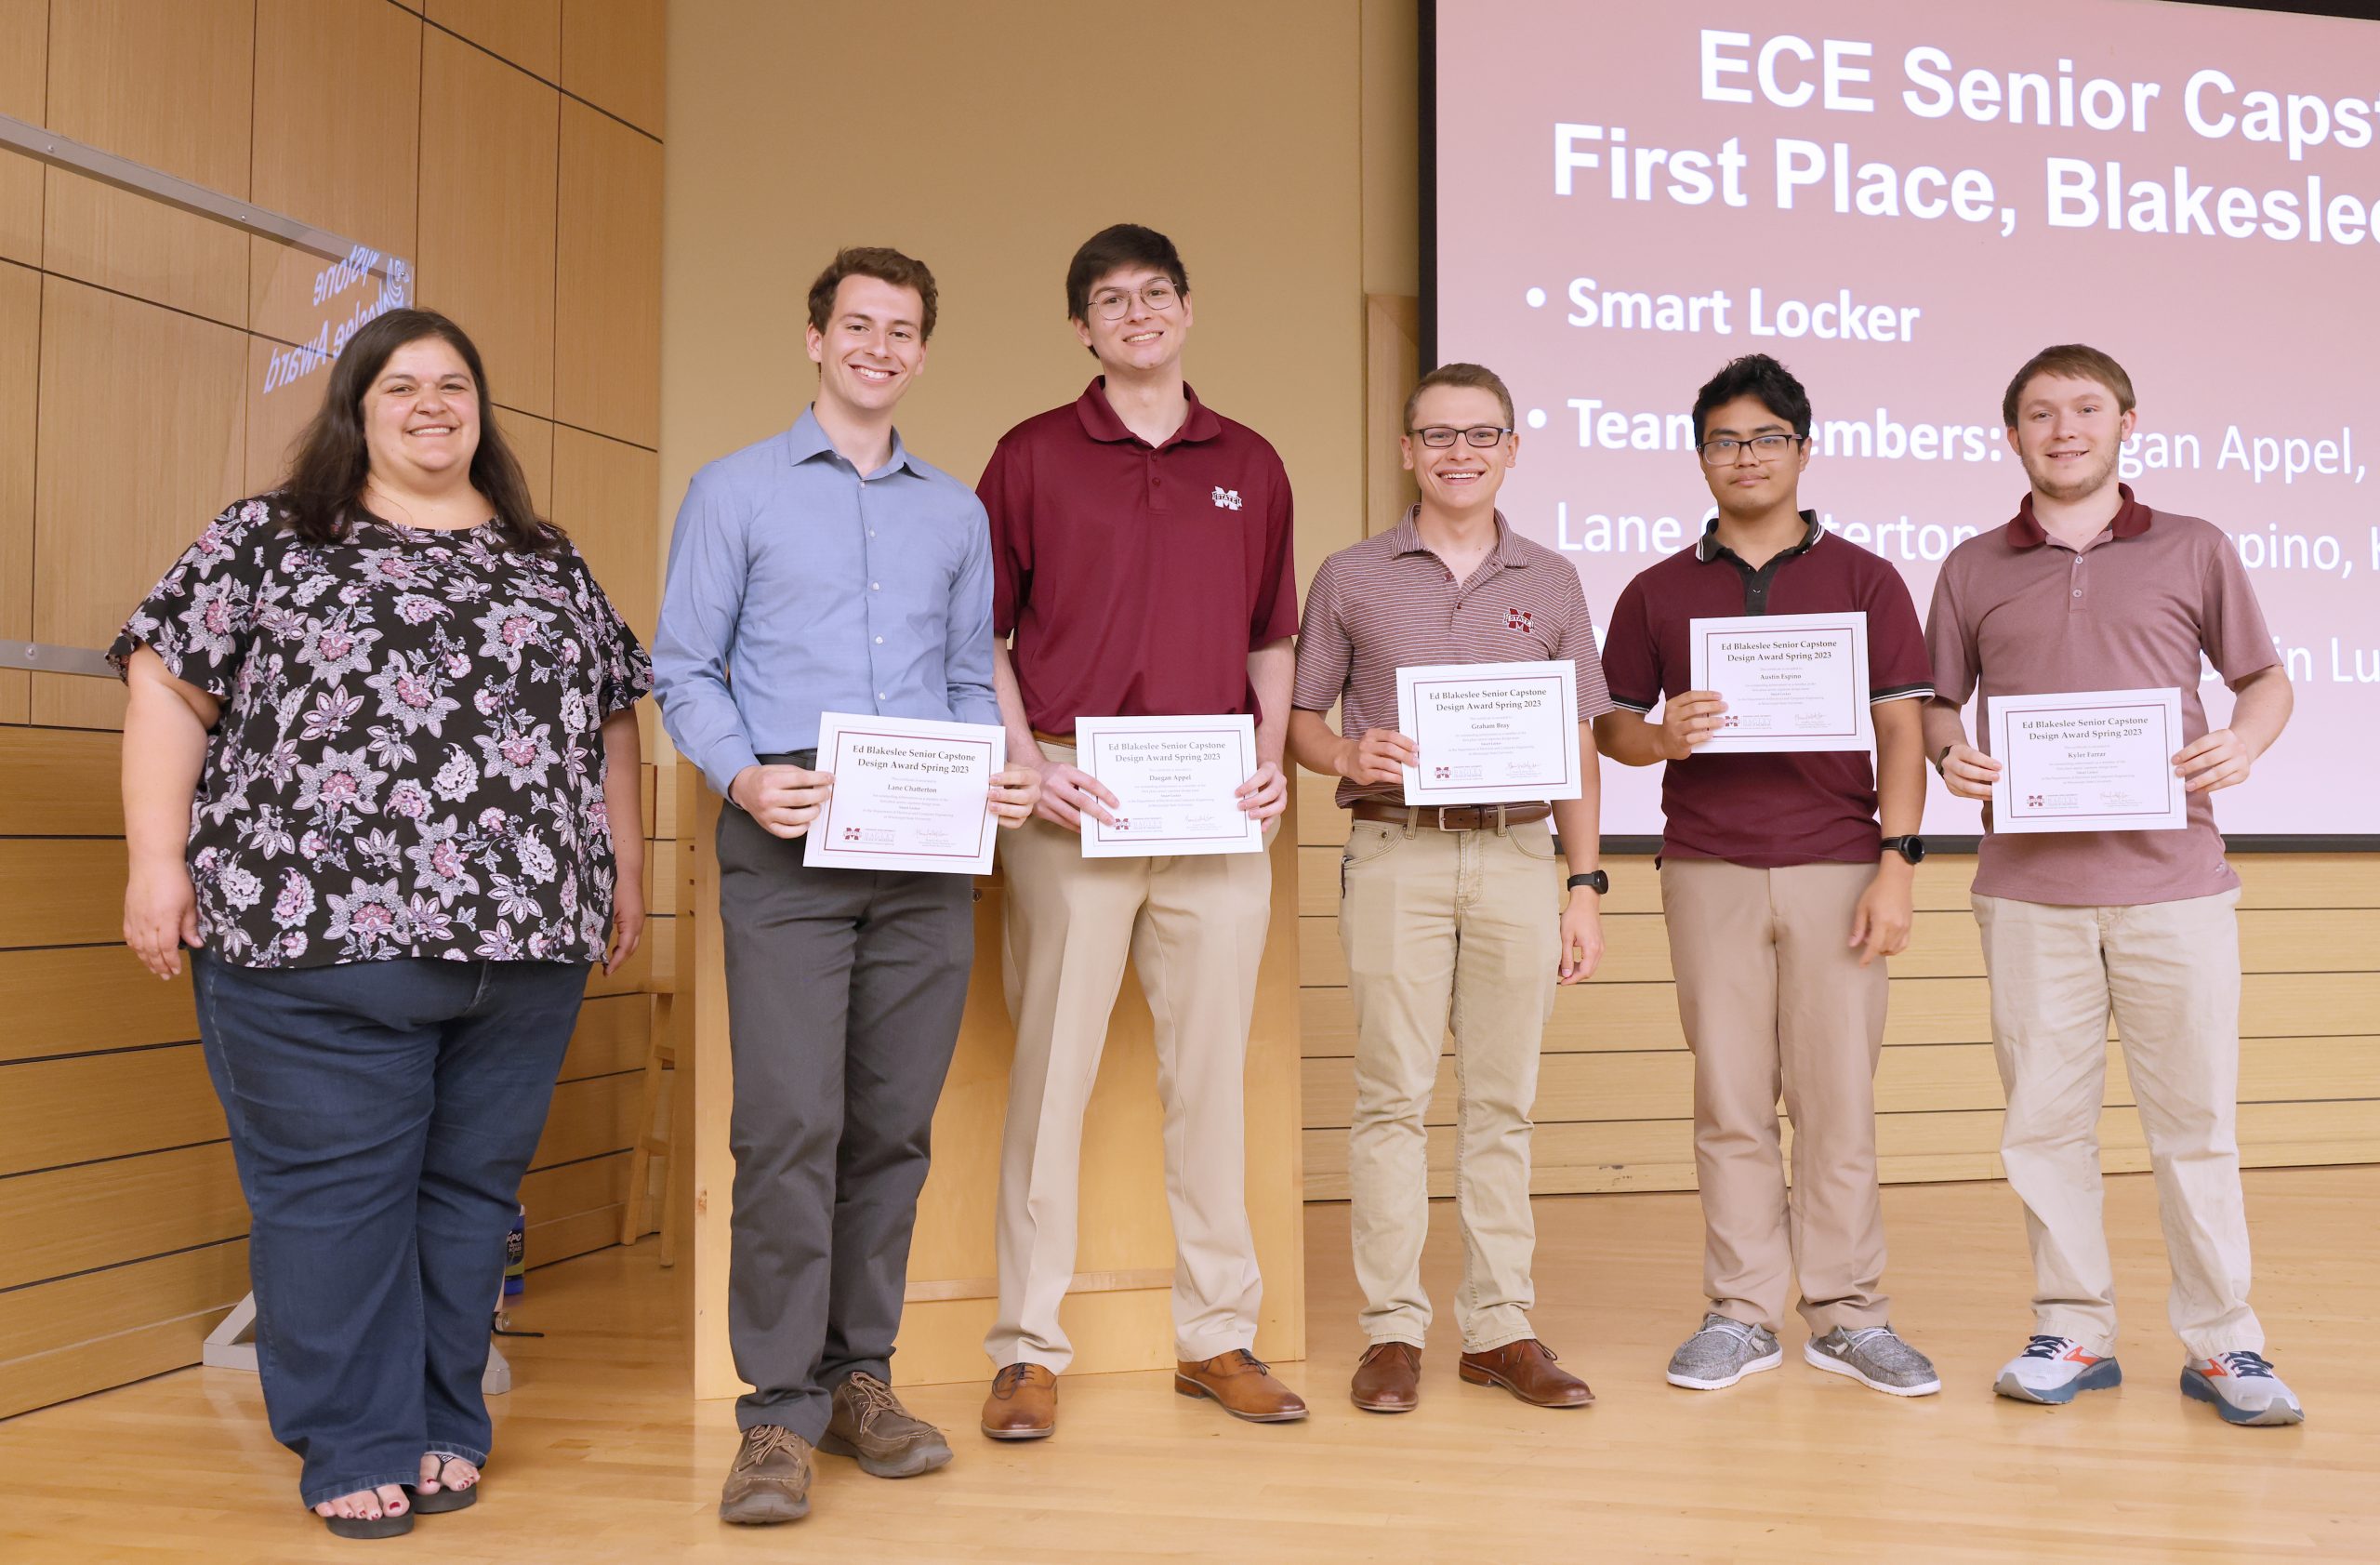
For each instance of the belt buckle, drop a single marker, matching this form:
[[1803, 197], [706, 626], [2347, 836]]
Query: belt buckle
[[1442, 817]]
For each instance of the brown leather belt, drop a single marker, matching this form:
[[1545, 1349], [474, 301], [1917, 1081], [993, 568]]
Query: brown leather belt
[[1450, 818]]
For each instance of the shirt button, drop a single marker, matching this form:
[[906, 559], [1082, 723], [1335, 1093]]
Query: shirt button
[[881, 697], [2078, 591], [874, 587], [880, 641]]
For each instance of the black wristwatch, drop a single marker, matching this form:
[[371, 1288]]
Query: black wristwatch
[[1910, 848], [1595, 880]]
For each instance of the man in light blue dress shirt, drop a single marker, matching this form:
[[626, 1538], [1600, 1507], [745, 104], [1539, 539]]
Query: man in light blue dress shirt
[[826, 569]]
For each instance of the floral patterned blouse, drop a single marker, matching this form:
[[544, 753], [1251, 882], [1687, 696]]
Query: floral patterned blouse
[[410, 756]]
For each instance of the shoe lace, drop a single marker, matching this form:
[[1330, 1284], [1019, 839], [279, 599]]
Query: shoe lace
[[1726, 1326], [765, 1441], [1240, 1358], [1011, 1378], [874, 1399], [2046, 1347], [2245, 1364]]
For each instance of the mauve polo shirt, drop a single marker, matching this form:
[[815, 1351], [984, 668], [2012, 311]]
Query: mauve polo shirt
[[1768, 810], [2017, 613], [1137, 578]]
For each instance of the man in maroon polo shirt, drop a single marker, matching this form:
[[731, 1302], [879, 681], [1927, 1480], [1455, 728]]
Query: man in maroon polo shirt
[[2088, 589], [1140, 564], [1781, 897]]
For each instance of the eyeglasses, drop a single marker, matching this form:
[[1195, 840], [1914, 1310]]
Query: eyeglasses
[[1440, 436], [1113, 304], [1766, 448]]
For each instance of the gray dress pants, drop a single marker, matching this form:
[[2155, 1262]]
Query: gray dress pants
[[844, 989]]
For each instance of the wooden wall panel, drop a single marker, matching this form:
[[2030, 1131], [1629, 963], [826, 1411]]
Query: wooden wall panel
[[489, 137], [607, 294], [59, 784], [141, 444], [53, 1314], [89, 1106], [532, 441], [346, 159], [610, 1038], [605, 495], [527, 32], [75, 1219], [19, 378], [613, 53], [74, 999], [275, 418], [24, 67], [61, 891], [589, 1118]]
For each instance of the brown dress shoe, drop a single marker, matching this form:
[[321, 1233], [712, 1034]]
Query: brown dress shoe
[[1388, 1378], [1527, 1369], [869, 1423], [1243, 1384], [1023, 1404], [770, 1480]]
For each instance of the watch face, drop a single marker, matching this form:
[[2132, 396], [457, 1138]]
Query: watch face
[[1913, 849]]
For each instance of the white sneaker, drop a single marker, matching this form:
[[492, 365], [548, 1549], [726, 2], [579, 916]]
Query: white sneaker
[[2243, 1389], [2053, 1369]]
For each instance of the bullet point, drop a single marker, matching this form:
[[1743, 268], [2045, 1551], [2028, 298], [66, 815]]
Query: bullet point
[[1995, 453], [1536, 298], [1537, 417]]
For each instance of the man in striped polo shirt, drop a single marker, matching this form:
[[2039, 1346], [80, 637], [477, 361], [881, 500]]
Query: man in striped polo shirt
[[1783, 900], [1454, 915]]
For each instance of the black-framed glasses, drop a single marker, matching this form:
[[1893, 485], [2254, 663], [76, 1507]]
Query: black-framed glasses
[[1440, 436], [1767, 448], [1113, 304]]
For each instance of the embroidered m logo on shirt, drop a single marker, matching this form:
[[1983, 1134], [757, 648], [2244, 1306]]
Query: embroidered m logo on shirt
[[1226, 499], [1520, 620]]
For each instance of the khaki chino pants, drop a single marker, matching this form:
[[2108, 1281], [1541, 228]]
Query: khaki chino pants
[[2170, 973], [1193, 927], [1774, 1001], [1461, 930]]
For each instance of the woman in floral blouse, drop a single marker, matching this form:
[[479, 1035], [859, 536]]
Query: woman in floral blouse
[[381, 778]]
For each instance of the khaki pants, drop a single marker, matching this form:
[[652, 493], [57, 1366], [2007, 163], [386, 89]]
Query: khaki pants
[[1193, 927], [2170, 971], [1774, 1000], [1447, 928]]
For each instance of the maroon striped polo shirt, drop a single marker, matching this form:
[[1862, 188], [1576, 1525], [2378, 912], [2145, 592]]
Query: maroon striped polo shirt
[[1389, 602], [1765, 811]]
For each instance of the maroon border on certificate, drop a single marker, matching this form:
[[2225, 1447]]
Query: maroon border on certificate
[[902, 852], [1247, 771], [1569, 752], [1850, 732], [2171, 782]]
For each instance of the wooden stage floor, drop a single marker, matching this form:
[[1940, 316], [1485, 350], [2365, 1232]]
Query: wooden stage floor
[[601, 1458]]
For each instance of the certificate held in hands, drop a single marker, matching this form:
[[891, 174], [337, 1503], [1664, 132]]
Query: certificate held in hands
[[1490, 733], [1176, 782], [2088, 761], [909, 794], [1791, 682]]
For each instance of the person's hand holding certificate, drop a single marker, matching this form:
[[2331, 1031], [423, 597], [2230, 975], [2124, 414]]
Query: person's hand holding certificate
[[1791, 682], [1177, 784], [1490, 733], [2088, 761], [908, 794]]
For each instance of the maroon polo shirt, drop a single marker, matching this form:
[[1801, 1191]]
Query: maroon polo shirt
[[1765, 811], [1137, 578], [1390, 603], [2017, 613]]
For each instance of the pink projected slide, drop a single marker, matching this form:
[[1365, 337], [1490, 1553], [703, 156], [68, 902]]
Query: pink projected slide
[[1903, 203]]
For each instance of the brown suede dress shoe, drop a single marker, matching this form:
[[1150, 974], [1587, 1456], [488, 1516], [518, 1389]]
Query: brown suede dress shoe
[[1527, 1369], [1023, 1404], [770, 1480], [1388, 1378], [869, 1423], [1243, 1384]]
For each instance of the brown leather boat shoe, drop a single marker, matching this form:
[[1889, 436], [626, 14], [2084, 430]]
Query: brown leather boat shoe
[[1243, 1384], [1023, 1404], [770, 1480], [1388, 1378], [1527, 1369], [869, 1423]]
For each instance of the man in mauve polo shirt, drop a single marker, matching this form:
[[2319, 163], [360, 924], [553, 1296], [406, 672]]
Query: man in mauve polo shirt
[[1448, 915], [2086, 588], [1141, 563], [1783, 898]]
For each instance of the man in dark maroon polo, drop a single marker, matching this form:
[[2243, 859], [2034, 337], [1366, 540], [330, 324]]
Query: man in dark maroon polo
[[1140, 561], [1781, 897]]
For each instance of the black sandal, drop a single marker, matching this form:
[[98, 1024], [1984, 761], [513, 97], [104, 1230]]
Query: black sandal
[[382, 1526], [442, 1500]]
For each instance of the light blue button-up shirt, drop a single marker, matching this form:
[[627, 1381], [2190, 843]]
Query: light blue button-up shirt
[[798, 585]]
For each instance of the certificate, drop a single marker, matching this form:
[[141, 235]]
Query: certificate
[[1490, 733], [909, 794], [1176, 782], [1791, 682], [2087, 761]]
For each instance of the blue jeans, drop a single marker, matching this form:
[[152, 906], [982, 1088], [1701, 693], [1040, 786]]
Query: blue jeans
[[382, 1114]]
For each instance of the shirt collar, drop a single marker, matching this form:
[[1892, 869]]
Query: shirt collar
[[1100, 422], [1408, 536], [1707, 548], [2132, 519], [806, 438]]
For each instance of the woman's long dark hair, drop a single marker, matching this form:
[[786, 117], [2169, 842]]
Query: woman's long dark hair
[[330, 463]]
